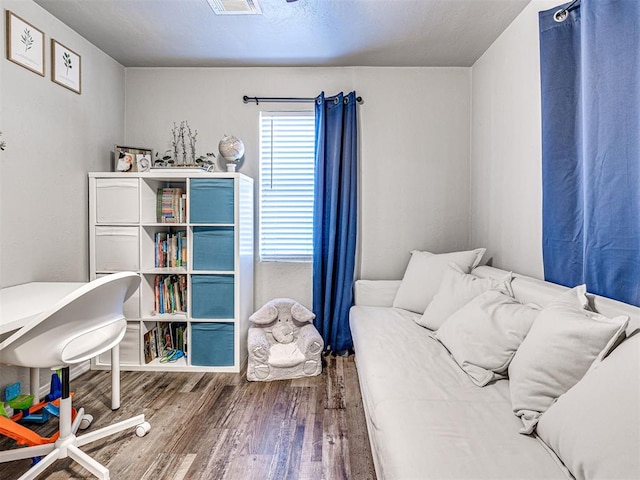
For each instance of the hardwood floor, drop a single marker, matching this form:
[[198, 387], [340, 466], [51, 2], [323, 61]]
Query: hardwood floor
[[219, 426]]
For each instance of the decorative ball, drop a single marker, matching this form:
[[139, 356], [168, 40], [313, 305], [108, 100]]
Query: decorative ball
[[231, 148]]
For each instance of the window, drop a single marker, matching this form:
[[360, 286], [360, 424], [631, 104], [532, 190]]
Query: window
[[287, 152]]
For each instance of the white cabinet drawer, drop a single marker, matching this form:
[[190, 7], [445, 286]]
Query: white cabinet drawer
[[117, 200], [117, 249]]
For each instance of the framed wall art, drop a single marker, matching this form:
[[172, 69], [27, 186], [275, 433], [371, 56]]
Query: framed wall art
[[132, 159], [66, 67], [25, 43]]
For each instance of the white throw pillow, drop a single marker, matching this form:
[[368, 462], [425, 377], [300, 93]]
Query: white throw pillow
[[424, 273], [456, 290], [563, 343], [595, 427], [483, 335]]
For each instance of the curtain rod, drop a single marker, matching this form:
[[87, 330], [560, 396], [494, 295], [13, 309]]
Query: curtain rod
[[247, 99]]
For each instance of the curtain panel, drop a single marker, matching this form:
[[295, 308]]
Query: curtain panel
[[335, 218], [590, 79]]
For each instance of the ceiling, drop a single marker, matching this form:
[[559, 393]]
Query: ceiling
[[186, 33]]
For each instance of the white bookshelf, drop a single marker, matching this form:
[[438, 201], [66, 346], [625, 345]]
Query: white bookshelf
[[218, 231]]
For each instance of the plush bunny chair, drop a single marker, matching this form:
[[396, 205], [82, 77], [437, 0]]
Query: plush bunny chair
[[283, 343]]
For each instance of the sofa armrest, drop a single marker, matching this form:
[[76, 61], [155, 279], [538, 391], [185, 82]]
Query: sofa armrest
[[375, 293], [258, 344], [309, 341]]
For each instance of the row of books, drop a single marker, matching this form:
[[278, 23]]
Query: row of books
[[170, 249], [170, 294], [172, 205], [164, 337]]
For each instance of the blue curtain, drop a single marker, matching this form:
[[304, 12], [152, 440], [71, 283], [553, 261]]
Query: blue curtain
[[335, 218], [590, 79]]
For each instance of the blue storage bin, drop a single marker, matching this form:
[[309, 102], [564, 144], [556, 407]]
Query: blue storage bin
[[212, 344], [213, 248], [211, 200], [212, 296]]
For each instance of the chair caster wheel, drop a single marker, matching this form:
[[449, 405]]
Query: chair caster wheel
[[143, 429], [86, 421]]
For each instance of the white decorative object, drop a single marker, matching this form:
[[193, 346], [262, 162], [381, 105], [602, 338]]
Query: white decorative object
[[179, 147], [573, 338], [604, 404], [283, 343], [456, 290], [497, 323], [424, 274], [232, 150]]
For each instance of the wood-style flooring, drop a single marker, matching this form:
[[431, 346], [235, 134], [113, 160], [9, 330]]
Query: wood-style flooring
[[219, 426]]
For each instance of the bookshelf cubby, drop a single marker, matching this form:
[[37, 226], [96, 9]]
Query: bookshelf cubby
[[189, 235]]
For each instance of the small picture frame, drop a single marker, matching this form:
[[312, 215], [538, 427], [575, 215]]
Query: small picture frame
[[25, 43], [132, 159], [66, 67], [143, 162]]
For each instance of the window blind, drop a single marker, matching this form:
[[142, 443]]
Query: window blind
[[287, 152]]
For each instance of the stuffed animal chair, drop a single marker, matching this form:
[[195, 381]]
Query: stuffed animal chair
[[283, 343]]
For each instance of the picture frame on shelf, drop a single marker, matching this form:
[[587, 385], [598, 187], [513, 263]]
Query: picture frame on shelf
[[25, 43], [143, 161], [132, 159], [66, 67]]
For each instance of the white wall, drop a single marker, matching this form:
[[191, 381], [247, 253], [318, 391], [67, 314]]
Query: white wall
[[506, 168], [414, 149], [54, 137]]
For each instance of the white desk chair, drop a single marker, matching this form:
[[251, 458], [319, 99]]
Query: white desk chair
[[82, 325]]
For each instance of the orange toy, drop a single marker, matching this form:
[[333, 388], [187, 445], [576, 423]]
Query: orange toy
[[9, 427]]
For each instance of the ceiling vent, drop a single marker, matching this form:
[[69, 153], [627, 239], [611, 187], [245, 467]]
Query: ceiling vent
[[235, 7]]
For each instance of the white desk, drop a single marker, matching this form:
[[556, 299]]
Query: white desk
[[20, 304]]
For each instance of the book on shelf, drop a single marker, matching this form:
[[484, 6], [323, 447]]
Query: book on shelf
[[165, 342], [179, 335], [170, 294], [150, 346], [171, 205], [164, 337], [170, 249]]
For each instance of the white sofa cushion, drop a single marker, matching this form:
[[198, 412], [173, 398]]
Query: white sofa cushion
[[456, 290], [483, 335], [595, 426], [424, 274], [426, 419], [375, 293], [563, 343]]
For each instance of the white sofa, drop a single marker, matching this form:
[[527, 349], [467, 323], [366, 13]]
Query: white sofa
[[427, 420]]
